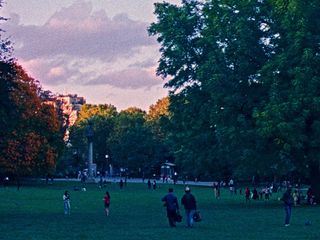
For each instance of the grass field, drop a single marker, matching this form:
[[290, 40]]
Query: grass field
[[137, 213]]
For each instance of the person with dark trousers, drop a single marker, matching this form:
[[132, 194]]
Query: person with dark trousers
[[154, 185], [106, 200], [190, 206], [287, 200], [255, 195], [171, 203]]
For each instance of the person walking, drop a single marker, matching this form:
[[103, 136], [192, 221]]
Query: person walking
[[106, 200], [66, 203], [190, 206], [287, 200], [171, 203]]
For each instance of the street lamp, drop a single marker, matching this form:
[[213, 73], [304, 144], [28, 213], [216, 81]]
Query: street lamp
[[106, 166]]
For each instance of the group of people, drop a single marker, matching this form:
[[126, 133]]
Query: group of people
[[289, 198], [172, 205], [255, 195], [152, 185], [67, 206], [188, 200]]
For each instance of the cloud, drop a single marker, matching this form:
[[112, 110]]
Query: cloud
[[144, 64], [79, 32], [55, 72], [82, 51], [129, 78]]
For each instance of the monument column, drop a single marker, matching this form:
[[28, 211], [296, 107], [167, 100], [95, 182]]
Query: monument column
[[89, 135]]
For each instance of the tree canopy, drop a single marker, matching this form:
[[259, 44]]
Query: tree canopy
[[30, 133], [244, 84]]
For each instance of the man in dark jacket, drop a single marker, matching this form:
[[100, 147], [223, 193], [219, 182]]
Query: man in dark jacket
[[190, 206], [171, 202], [288, 200]]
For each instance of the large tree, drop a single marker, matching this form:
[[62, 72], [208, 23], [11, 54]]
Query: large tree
[[249, 71], [291, 118], [212, 51], [102, 117], [30, 137]]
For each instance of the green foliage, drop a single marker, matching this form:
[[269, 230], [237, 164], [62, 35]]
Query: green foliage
[[244, 82], [125, 137]]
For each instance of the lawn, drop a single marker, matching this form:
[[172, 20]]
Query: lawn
[[36, 212]]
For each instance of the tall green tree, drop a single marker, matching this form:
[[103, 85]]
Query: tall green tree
[[291, 119], [132, 142], [248, 69], [213, 52], [102, 117]]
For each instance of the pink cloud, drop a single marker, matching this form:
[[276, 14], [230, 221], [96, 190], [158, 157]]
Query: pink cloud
[[79, 32], [128, 78]]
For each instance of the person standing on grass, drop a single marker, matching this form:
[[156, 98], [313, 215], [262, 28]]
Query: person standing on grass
[[171, 203], [149, 184], [287, 200], [190, 206], [66, 202], [247, 194], [255, 195], [106, 200], [121, 184]]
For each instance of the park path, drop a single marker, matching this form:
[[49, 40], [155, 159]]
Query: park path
[[139, 180]]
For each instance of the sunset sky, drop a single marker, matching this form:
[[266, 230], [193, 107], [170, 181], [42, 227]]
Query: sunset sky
[[98, 49]]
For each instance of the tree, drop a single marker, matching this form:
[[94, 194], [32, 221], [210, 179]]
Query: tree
[[31, 140], [249, 71], [90, 110], [131, 142], [102, 116], [290, 119], [213, 51]]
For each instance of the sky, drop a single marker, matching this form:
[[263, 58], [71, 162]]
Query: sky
[[98, 49]]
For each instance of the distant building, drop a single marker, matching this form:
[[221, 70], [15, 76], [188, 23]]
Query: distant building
[[68, 107]]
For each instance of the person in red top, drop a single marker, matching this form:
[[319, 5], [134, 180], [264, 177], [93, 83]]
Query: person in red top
[[106, 200]]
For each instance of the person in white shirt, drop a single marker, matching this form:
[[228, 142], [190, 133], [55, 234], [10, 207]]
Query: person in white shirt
[[66, 202]]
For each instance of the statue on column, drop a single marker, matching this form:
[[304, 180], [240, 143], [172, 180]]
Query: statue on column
[[89, 131]]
